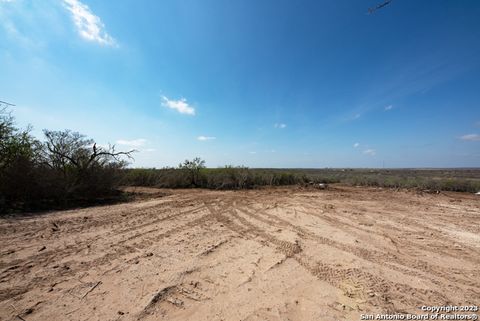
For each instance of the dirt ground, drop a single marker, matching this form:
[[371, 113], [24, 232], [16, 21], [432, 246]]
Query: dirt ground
[[271, 254]]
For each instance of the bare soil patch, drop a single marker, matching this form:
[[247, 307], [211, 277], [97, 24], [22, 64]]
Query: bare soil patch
[[270, 254]]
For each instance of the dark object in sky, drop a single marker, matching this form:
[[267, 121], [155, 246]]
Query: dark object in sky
[[380, 6]]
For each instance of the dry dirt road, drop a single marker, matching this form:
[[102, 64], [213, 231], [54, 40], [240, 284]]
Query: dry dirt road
[[273, 254]]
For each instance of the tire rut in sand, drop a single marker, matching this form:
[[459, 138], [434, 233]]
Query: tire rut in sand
[[403, 264], [371, 288], [119, 250]]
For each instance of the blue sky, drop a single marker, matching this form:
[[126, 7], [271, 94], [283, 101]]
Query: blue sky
[[270, 83]]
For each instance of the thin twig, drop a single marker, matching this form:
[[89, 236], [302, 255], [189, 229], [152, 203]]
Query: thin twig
[[91, 289], [72, 311]]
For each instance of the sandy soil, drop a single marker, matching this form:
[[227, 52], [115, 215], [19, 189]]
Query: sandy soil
[[273, 254]]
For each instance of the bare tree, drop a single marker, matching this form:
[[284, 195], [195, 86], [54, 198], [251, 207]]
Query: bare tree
[[67, 148], [81, 161]]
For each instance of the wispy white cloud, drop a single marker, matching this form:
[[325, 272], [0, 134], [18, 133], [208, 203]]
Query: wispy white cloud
[[205, 138], [134, 142], [280, 125], [471, 137], [371, 152], [13, 32], [356, 145], [11, 16], [89, 26], [389, 107], [252, 152], [180, 105]]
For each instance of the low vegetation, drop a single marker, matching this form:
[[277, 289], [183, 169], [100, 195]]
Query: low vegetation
[[458, 180], [229, 177]]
